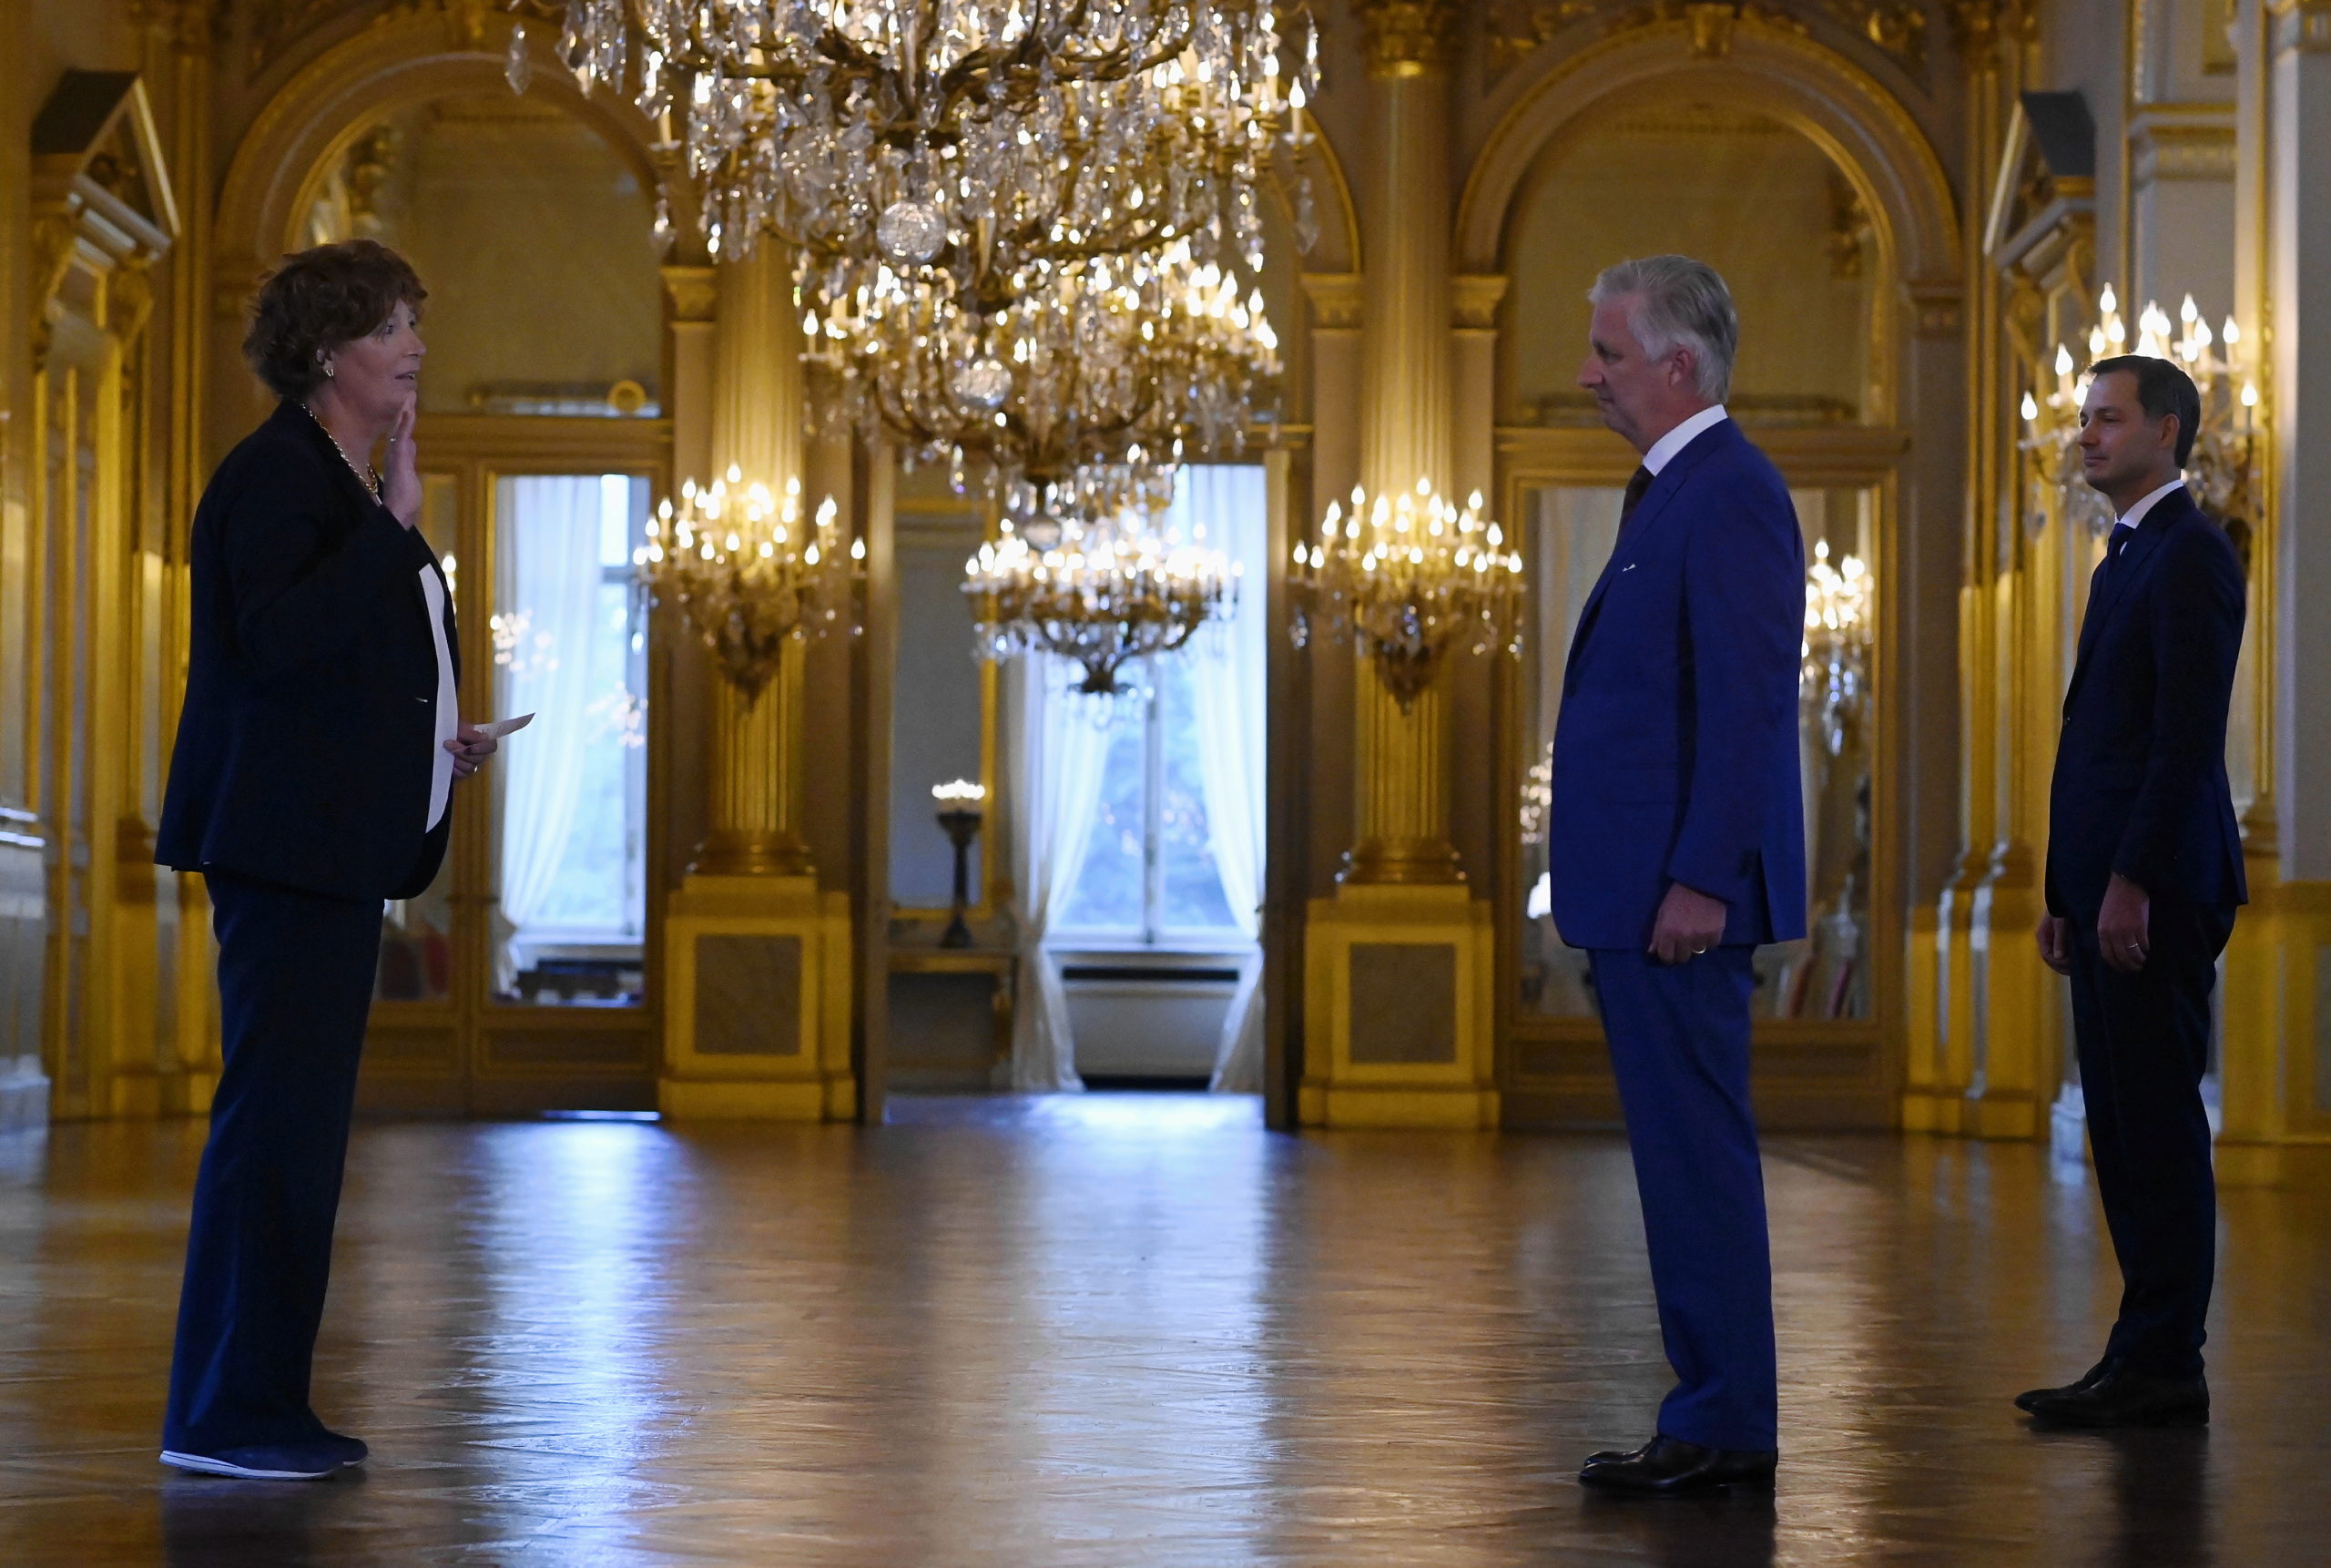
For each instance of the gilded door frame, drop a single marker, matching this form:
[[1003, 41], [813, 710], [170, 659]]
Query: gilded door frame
[[454, 1055]]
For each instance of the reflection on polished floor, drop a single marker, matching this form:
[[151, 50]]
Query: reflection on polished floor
[[1130, 1332]]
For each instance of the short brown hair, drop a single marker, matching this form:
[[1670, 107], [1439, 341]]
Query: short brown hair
[[318, 300]]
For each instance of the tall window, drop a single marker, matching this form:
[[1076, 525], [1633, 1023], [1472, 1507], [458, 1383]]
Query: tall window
[[570, 647], [1175, 852], [1149, 872]]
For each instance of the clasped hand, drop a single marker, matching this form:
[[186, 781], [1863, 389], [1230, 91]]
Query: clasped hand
[[1689, 924], [2123, 931], [471, 747]]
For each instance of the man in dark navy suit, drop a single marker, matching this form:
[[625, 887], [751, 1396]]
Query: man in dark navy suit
[[2145, 873], [1676, 842]]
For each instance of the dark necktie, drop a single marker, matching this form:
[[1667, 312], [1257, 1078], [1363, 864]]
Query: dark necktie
[[1636, 486]]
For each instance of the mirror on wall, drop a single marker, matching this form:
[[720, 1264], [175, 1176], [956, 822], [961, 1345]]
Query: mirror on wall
[[1568, 534]]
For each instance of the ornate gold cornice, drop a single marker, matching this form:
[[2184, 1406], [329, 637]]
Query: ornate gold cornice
[[1408, 37], [1474, 298], [2302, 26], [1978, 28], [195, 26], [1335, 300], [694, 293]]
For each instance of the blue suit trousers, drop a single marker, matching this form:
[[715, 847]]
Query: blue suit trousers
[[295, 985], [1679, 1047]]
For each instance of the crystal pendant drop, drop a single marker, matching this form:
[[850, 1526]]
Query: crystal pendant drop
[[517, 66], [983, 384], [911, 231]]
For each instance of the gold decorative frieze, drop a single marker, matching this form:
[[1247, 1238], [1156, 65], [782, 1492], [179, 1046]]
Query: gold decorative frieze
[[2173, 152], [1408, 37]]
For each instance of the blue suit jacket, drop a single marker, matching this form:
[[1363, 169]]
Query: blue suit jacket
[[1676, 754], [2140, 785]]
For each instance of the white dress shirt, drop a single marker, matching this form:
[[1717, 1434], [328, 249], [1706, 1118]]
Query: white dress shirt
[[1663, 451], [447, 708], [2136, 514]]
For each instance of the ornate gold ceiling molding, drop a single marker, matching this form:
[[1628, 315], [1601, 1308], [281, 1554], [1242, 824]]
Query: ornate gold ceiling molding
[[1514, 29]]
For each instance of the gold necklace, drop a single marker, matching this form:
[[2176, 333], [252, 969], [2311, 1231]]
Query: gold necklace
[[368, 477]]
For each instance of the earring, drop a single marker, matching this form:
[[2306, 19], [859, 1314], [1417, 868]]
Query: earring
[[328, 371]]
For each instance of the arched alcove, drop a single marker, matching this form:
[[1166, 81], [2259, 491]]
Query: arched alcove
[[1814, 191]]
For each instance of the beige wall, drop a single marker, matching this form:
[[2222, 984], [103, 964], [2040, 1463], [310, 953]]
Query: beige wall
[[1748, 195]]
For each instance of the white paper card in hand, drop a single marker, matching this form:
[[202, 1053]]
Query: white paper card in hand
[[496, 728]]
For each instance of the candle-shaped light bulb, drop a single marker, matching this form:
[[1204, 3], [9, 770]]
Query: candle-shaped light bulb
[[2030, 409]]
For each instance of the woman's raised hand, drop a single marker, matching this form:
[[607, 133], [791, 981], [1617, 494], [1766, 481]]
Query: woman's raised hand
[[400, 487]]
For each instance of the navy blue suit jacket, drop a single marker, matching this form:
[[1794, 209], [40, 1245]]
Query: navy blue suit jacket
[[1676, 754], [2140, 785], [305, 743]]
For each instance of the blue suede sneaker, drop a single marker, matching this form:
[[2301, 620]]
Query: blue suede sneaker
[[283, 1462]]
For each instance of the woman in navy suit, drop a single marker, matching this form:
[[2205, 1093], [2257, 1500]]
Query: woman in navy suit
[[316, 755]]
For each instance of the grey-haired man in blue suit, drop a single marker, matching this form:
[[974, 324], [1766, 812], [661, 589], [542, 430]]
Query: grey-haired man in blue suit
[[1676, 844]]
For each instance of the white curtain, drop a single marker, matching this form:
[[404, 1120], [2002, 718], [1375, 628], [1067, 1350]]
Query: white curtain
[[1058, 745], [546, 584], [1228, 509]]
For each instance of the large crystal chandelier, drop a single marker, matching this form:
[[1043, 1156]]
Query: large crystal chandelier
[[1412, 579], [1103, 598], [973, 136], [748, 572], [1074, 399], [2222, 467]]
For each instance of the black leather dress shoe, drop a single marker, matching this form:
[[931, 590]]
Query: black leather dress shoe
[[1665, 1467], [2126, 1397], [2033, 1398]]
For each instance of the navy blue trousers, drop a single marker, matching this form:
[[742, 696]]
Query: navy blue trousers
[[2143, 1043], [1679, 1048], [295, 983]]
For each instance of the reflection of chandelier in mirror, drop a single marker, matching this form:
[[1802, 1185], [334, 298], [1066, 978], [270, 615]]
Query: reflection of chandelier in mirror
[[2223, 465], [748, 574], [1074, 399], [1835, 678], [1103, 596], [971, 137], [1411, 578]]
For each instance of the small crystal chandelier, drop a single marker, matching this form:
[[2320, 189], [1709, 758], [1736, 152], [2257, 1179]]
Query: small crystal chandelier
[[1073, 401], [1835, 675], [2222, 467], [1411, 578], [1103, 596], [748, 575]]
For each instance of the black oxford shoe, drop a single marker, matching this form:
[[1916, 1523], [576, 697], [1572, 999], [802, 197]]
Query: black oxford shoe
[[2030, 1400], [1665, 1467], [2125, 1396]]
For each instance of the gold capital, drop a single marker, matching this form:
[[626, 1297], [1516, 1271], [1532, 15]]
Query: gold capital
[[1408, 37]]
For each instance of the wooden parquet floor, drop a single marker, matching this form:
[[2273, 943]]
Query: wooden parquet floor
[[1129, 1332]]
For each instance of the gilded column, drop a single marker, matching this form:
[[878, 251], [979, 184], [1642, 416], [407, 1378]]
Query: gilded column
[[1962, 1084], [754, 805], [2274, 1092], [1403, 790], [1399, 978], [759, 998]]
